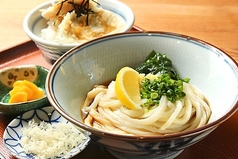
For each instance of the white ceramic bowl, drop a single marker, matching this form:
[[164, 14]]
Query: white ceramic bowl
[[33, 24], [98, 61], [13, 134]]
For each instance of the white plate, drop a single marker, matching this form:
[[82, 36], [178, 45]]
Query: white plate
[[12, 133]]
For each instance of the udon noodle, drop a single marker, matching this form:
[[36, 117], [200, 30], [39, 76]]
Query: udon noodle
[[104, 111]]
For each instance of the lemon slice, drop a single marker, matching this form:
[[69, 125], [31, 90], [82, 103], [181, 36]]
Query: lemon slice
[[127, 88]]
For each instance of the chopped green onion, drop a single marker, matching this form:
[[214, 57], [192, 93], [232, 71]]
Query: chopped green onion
[[164, 85], [168, 83]]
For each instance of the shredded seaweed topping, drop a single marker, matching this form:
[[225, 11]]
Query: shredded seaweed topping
[[80, 9]]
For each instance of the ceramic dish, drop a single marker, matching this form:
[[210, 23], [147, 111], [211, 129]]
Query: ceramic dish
[[33, 73], [34, 23], [98, 62], [12, 133]]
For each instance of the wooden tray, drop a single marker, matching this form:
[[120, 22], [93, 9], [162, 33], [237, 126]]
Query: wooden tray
[[220, 144]]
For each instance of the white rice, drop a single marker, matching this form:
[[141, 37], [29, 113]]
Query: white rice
[[73, 29]]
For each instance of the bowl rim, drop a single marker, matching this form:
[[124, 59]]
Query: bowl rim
[[183, 134], [41, 41]]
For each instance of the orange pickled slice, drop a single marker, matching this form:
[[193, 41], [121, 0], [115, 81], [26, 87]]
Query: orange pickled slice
[[37, 93], [127, 88], [24, 91], [22, 88], [18, 97]]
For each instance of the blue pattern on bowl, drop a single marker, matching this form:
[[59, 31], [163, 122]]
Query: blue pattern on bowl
[[167, 149]]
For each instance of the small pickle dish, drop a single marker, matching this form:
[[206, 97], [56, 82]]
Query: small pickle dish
[[32, 79], [125, 118]]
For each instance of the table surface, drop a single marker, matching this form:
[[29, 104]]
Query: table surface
[[214, 21]]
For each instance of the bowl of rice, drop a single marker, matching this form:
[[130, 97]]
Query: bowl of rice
[[57, 26], [152, 93]]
